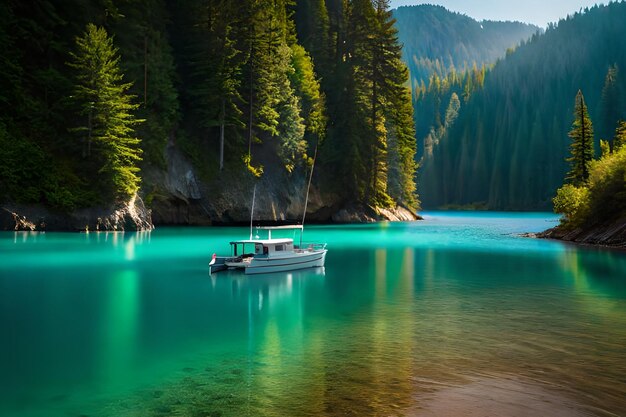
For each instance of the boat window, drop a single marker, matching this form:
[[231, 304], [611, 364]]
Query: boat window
[[279, 248], [258, 248]]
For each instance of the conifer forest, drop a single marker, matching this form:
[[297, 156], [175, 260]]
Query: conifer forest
[[411, 107], [92, 92]]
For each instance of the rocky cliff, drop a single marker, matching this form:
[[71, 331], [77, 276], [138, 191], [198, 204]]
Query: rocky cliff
[[612, 233], [178, 196]]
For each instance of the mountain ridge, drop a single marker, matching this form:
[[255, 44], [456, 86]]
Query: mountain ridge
[[436, 39], [507, 149]]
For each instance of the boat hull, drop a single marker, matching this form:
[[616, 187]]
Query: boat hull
[[305, 260], [218, 264]]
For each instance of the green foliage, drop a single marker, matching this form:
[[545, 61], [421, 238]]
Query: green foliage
[[607, 187], [147, 59], [620, 136], [610, 105], [254, 85], [370, 147], [602, 199], [438, 42], [307, 86], [453, 111], [582, 143], [605, 148], [216, 70], [256, 171], [35, 83], [29, 176], [103, 102], [573, 202], [292, 147], [509, 144], [313, 24]]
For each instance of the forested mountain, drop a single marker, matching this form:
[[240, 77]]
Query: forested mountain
[[437, 41], [507, 148], [101, 97]]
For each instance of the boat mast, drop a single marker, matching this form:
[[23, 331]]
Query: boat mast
[[306, 200], [252, 210]]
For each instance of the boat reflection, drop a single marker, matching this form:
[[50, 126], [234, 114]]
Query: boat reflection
[[279, 282]]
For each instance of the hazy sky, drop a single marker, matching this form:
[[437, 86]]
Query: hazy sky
[[539, 12]]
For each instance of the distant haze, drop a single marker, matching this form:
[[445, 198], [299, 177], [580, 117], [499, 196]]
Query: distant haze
[[538, 12]]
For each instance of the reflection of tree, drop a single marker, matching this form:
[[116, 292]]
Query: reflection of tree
[[307, 355], [118, 348], [368, 365], [598, 279]]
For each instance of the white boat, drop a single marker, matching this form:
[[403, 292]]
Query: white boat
[[260, 256]]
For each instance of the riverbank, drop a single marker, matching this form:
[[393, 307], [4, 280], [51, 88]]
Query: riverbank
[[132, 216], [135, 216], [610, 234]]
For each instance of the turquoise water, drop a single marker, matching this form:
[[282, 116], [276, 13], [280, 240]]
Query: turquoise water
[[131, 324]]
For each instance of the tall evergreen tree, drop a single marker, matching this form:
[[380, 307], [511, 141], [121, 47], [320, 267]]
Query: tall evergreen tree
[[147, 59], [274, 118], [104, 104], [313, 25], [404, 146], [383, 96], [581, 149], [307, 86], [611, 105], [217, 66], [620, 136]]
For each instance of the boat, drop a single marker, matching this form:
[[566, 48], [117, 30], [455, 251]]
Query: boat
[[272, 255], [260, 256]]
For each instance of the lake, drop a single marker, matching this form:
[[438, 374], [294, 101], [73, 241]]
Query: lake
[[451, 315]]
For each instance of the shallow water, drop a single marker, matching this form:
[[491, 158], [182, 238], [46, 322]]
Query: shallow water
[[404, 320]]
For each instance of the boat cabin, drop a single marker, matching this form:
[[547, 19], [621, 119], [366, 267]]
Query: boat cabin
[[266, 247]]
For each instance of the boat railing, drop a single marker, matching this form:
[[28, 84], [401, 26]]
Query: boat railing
[[310, 247]]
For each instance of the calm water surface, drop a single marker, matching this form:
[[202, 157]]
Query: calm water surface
[[107, 324]]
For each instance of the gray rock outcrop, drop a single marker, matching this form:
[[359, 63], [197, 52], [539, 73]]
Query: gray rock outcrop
[[611, 233], [130, 216]]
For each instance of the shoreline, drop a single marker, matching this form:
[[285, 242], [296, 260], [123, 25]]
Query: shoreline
[[134, 216], [611, 234], [598, 246]]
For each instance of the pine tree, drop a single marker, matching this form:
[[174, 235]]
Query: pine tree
[[291, 127], [404, 146], [313, 25], [385, 101], [217, 67], [307, 86], [9, 63], [274, 109], [110, 147], [147, 59], [610, 104], [620, 136], [581, 149]]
